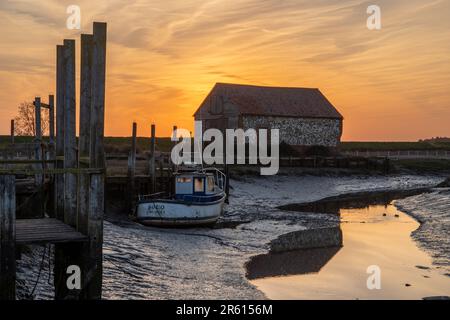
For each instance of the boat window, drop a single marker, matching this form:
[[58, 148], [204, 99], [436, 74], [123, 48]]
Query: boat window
[[199, 185], [183, 179], [210, 184]]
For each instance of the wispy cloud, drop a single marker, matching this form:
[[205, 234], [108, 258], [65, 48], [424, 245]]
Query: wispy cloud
[[165, 55]]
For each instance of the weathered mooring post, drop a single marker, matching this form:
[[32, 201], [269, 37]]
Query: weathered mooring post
[[93, 289], [84, 129], [68, 254], [59, 179], [7, 237], [84, 152], [152, 165], [51, 155], [12, 131], [174, 142], [51, 125], [70, 142], [132, 170], [38, 140]]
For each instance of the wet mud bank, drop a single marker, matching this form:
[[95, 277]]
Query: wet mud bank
[[374, 229], [355, 200]]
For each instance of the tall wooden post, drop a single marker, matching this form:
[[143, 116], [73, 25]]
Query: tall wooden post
[[59, 179], [12, 131], [152, 165], [70, 146], [97, 160], [59, 271], [7, 237], [84, 129], [51, 208], [174, 142], [227, 183], [68, 254], [51, 117], [132, 170], [38, 140], [37, 119]]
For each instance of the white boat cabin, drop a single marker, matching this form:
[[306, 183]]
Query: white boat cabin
[[196, 184]]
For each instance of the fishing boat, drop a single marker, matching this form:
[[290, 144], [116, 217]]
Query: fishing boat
[[198, 199]]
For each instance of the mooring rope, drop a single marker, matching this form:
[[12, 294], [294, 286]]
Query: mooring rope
[[31, 295]]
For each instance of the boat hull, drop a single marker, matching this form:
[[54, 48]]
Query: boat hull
[[178, 213]]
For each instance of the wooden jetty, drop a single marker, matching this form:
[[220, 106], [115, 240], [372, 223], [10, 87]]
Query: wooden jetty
[[70, 175]]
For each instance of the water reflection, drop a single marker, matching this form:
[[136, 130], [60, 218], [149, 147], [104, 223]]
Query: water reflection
[[290, 263], [372, 235]]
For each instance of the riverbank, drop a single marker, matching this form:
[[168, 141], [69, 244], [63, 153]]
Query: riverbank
[[432, 210], [150, 263]]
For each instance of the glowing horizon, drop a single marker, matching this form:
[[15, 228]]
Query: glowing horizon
[[165, 56]]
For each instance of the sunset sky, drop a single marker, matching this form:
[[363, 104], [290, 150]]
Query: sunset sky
[[165, 55]]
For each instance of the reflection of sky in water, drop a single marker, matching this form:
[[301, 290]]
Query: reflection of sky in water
[[369, 239]]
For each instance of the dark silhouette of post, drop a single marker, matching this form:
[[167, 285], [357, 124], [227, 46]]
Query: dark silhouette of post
[[174, 142], [152, 165], [51, 155], [51, 118], [132, 170], [67, 254], [38, 141], [97, 160], [84, 129], [12, 131], [7, 237], [59, 178], [70, 142]]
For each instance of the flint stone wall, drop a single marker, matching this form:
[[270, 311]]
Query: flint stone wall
[[299, 131]]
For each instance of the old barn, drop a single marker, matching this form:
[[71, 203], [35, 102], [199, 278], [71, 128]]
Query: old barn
[[304, 116]]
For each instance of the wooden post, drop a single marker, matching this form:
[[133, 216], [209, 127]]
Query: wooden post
[[51, 208], [66, 254], [70, 147], [132, 170], [227, 183], [37, 119], [97, 156], [51, 117], [59, 179], [97, 160], [37, 140], [7, 237], [85, 130], [162, 182], [174, 136], [152, 159], [12, 131]]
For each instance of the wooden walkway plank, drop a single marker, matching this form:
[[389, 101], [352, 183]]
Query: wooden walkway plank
[[47, 230]]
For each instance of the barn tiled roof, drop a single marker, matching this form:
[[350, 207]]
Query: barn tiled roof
[[274, 101]]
